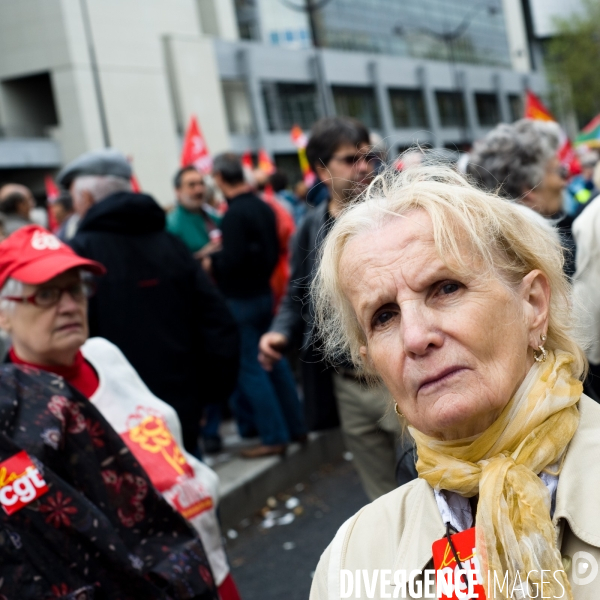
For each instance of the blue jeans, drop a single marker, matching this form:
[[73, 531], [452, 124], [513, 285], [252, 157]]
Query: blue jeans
[[272, 397]]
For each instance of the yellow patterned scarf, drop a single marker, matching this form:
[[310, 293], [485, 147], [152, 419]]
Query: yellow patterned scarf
[[514, 532]]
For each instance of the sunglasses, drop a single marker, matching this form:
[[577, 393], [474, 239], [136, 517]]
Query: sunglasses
[[353, 159], [50, 296]]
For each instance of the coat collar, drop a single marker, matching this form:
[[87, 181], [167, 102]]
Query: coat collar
[[423, 527], [577, 497], [578, 493]]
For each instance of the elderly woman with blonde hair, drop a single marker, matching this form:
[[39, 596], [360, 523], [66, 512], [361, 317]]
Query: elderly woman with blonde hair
[[458, 303]]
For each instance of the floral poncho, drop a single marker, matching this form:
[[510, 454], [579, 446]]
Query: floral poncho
[[101, 531]]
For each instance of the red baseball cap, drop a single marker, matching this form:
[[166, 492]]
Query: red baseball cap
[[33, 255]]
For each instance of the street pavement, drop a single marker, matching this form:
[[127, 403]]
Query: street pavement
[[274, 554]]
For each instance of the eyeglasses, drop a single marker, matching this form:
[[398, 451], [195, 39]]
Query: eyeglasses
[[352, 159], [49, 296]]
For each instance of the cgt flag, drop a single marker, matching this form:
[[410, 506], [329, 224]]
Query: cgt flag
[[195, 151], [536, 110]]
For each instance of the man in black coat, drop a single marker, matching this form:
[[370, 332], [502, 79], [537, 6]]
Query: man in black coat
[[155, 302], [242, 270]]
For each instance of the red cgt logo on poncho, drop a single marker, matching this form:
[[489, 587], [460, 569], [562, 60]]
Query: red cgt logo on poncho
[[20, 483]]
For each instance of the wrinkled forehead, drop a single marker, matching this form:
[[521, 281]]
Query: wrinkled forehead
[[399, 241], [402, 247]]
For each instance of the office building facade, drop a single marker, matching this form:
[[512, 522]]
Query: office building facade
[[436, 72]]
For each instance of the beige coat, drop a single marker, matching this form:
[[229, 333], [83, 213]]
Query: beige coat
[[396, 531], [586, 281]]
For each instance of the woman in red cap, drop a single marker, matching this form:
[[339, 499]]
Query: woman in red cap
[[44, 287]]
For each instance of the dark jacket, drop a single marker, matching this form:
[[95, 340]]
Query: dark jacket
[[157, 304], [101, 530], [250, 248], [294, 320]]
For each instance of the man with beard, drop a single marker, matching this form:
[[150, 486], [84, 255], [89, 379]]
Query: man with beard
[[192, 221], [338, 152]]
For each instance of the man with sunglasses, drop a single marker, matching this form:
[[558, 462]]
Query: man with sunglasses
[[339, 153]]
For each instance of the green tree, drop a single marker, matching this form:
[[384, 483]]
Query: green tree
[[573, 61]]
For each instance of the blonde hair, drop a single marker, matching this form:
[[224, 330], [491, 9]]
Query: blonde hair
[[501, 239]]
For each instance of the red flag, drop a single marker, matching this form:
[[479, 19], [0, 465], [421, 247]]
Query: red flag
[[52, 193], [265, 164], [195, 151], [247, 161], [536, 110]]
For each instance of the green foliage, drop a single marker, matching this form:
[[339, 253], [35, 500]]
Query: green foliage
[[573, 58]]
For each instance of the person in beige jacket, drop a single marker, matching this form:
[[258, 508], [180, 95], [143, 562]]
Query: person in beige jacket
[[586, 281], [458, 303]]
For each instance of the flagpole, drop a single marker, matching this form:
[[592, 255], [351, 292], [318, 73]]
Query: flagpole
[[87, 26]]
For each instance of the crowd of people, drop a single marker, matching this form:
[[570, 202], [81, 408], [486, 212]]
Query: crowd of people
[[131, 333]]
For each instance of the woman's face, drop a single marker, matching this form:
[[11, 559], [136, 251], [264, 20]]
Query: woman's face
[[452, 350], [547, 197], [48, 336]]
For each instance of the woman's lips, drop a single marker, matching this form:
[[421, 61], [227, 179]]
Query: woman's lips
[[430, 383], [69, 327]]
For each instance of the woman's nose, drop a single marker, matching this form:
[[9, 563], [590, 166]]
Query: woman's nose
[[67, 303], [419, 333]]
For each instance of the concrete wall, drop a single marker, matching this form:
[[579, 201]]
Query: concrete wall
[[517, 35], [129, 38], [379, 72], [133, 74], [196, 88]]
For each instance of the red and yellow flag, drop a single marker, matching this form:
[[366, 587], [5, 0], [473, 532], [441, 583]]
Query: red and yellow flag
[[265, 164], [535, 108]]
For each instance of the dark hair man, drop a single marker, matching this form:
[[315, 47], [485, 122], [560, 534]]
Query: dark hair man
[[155, 302], [242, 270], [192, 220], [338, 152]]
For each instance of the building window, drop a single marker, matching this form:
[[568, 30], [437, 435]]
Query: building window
[[247, 19], [356, 102], [237, 106], [488, 113], [289, 104], [515, 103], [451, 108], [29, 108], [408, 108]]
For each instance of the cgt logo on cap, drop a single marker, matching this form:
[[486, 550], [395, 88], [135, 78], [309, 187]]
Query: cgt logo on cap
[[42, 240], [20, 483]]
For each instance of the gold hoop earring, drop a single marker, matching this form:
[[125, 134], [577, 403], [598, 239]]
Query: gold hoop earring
[[397, 411], [541, 354]]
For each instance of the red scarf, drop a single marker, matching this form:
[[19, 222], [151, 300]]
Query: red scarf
[[80, 374]]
